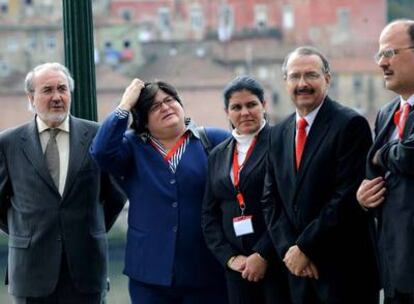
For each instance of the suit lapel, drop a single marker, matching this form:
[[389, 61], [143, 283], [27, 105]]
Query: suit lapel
[[33, 151], [78, 143], [289, 138], [227, 163], [384, 132], [409, 125], [317, 133]]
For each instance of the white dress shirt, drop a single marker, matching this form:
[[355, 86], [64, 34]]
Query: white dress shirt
[[62, 140], [410, 100]]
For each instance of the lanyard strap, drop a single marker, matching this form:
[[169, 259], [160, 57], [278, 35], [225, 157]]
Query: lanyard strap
[[177, 146], [236, 171], [173, 150]]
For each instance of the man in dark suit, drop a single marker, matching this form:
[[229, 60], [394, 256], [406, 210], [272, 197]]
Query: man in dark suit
[[55, 204], [315, 164], [388, 191]]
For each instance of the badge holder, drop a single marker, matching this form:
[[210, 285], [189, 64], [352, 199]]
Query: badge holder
[[242, 224]]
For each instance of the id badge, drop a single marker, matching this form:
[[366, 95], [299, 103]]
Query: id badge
[[243, 225]]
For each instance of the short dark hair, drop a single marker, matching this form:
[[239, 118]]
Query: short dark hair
[[307, 51], [411, 31], [145, 101], [241, 83]]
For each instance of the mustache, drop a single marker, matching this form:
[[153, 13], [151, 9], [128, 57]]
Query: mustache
[[305, 90]]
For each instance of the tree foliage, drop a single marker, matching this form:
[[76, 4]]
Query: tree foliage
[[400, 9]]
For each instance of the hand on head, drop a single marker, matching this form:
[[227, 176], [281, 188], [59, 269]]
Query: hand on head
[[131, 94]]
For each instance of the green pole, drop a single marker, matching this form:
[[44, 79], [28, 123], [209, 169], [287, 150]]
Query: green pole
[[79, 56]]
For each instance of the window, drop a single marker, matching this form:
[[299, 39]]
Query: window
[[260, 16], [32, 42], [343, 19], [164, 16], [12, 44], [357, 84], [4, 6], [196, 18], [4, 69], [288, 17], [263, 73], [226, 22], [50, 42], [126, 14]]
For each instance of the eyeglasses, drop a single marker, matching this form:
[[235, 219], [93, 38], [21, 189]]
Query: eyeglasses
[[389, 53], [309, 76], [156, 106]]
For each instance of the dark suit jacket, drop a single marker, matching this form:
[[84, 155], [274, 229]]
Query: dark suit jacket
[[220, 205], [396, 215], [316, 208], [42, 224]]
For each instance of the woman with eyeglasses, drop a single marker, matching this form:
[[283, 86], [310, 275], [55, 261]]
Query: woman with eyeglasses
[[232, 219], [161, 164]]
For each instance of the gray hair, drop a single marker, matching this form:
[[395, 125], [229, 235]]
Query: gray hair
[[28, 82], [307, 51]]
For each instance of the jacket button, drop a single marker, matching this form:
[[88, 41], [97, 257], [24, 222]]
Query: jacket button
[[172, 181], [175, 228], [174, 205]]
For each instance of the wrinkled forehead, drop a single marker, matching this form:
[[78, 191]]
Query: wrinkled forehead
[[49, 77], [395, 35], [298, 63]]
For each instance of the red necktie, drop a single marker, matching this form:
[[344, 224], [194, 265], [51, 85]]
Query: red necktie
[[300, 139], [400, 118]]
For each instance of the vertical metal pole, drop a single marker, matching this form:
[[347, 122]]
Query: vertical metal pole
[[79, 56]]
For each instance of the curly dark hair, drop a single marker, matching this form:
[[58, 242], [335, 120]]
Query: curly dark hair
[[145, 101]]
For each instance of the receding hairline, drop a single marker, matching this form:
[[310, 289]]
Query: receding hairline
[[403, 24], [406, 22], [306, 52], [49, 66]]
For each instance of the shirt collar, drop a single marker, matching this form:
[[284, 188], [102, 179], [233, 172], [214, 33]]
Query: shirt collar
[[42, 126], [410, 100], [310, 118], [190, 126], [243, 138]]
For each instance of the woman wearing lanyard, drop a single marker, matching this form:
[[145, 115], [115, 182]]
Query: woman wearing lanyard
[[232, 219], [161, 165]]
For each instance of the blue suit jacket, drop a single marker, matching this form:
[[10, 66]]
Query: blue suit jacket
[[165, 245]]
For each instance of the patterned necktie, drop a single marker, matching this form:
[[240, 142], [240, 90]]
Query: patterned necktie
[[300, 140], [400, 118], [52, 156]]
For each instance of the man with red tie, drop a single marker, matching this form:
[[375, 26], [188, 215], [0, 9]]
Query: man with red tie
[[388, 191], [315, 164]]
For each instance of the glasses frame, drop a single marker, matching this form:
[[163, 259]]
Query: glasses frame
[[308, 77], [390, 52], [156, 106]]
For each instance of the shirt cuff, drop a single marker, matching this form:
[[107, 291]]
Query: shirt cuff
[[121, 114]]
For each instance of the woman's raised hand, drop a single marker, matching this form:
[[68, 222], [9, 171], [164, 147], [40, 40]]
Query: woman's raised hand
[[131, 94]]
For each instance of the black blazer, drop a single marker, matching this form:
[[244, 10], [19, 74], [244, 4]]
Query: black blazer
[[395, 217], [42, 224], [220, 205], [316, 208]]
